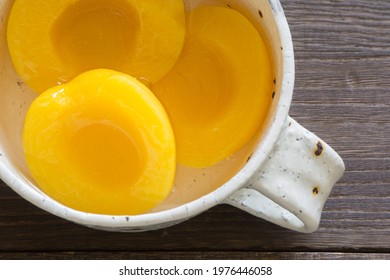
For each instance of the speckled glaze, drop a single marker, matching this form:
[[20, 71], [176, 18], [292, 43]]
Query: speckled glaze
[[291, 188], [286, 181]]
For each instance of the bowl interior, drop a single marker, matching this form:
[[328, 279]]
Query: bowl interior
[[191, 184]]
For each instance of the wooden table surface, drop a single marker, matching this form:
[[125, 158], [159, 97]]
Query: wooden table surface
[[342, 93]]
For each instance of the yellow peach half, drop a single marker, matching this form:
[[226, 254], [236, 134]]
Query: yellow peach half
[[219, 91], [101, 143], [52, 41]]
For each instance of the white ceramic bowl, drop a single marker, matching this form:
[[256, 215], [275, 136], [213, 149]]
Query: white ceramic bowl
[[266, 185]]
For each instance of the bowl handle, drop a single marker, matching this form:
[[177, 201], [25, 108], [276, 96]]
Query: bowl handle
[[291, 188]]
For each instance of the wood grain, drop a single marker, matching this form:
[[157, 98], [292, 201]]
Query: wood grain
[[342, 93], [158, 255]]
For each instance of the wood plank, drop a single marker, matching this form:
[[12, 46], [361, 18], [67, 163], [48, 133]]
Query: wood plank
[[343, 230], [180, 255]]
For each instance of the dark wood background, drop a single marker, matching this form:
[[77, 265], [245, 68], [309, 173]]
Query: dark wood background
[[342, 94]]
